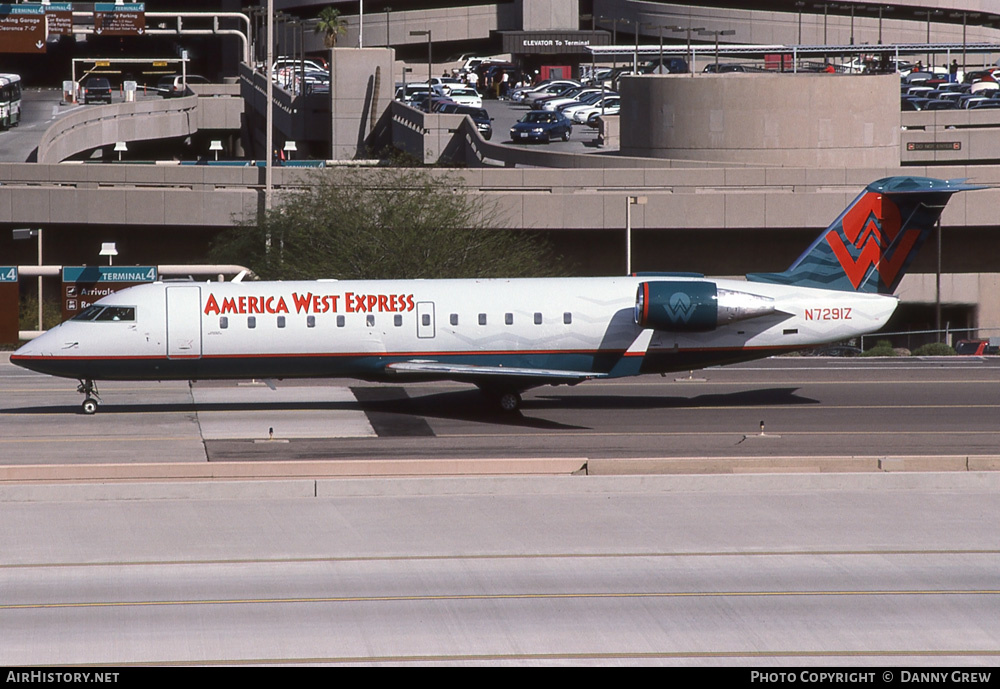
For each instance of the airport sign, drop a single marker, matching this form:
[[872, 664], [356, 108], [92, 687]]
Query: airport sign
[[9, 305], [22, 29], [83, 285], [112, 19]]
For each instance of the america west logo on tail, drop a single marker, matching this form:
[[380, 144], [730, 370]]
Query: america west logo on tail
[[869, 247], [872, 226]]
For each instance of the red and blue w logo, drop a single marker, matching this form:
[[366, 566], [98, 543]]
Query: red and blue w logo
[[869, 236]]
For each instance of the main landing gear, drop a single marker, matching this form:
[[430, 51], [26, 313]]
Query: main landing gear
[[507, 401], [89, 388]]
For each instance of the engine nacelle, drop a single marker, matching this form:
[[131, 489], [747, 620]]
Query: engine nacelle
[[695, 306]]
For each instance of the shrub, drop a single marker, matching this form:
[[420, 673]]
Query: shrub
[[935, 349], [881, 348]]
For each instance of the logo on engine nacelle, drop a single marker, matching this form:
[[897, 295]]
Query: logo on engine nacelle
[[680, 309]]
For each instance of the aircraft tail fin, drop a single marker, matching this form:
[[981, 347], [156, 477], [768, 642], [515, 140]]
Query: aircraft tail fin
[[870, 246]]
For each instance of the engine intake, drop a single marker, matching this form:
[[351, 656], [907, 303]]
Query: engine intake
[[695, 306]]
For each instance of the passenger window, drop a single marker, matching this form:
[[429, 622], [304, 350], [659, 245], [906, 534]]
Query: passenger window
[[482, 319], [567, 318], [310, 321], [454, 319], [223, 322], [340, 321], [281, 321], [538, 318], [425, 319], [397, 320], [251, 322], [508, 318], [370, 320]]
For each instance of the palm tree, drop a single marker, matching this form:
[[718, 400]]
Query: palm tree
[[331, 25]]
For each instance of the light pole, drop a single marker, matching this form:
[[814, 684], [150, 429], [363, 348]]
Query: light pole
[[690, 50], [428, 34], [728, 32], [28, 234], [661, 27], [629, 201]]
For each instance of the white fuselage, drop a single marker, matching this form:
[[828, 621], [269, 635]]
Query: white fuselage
[[358, 328]]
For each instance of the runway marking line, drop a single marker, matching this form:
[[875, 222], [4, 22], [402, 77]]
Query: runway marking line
[[503, 596], [487, 556]]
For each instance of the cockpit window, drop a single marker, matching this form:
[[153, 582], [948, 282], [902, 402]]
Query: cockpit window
[[88, 314], [106, 313], [116, 313]]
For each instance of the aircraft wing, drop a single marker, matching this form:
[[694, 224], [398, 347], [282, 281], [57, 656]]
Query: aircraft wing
[[436, 370]]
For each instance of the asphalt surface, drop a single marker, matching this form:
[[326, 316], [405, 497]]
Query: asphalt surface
[[506, 113], [810, 408]]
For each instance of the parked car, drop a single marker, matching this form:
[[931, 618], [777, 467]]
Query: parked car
[[555, 88], [482, 119], [539, 125], [466, 96], [976, 347], [590, 113], [571, 96], [173, 86], [96, 89], [670, 65], [521, 94], [608, 101]]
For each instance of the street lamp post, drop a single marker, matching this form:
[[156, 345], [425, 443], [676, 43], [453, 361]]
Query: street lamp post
[[629, 201], [690, 50], [728, 32], [28, 234], [428, 34]]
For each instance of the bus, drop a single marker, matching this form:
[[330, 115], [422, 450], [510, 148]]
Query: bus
[[10, 100]]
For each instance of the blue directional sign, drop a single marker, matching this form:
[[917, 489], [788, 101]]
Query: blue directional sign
[[134, 274]]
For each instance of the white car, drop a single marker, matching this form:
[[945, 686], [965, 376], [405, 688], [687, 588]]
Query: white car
[[571, 97], [590, 114], [608, 101], [466, 96], [521, 94]]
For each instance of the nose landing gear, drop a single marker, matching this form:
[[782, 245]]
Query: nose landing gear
[[89, 388]]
